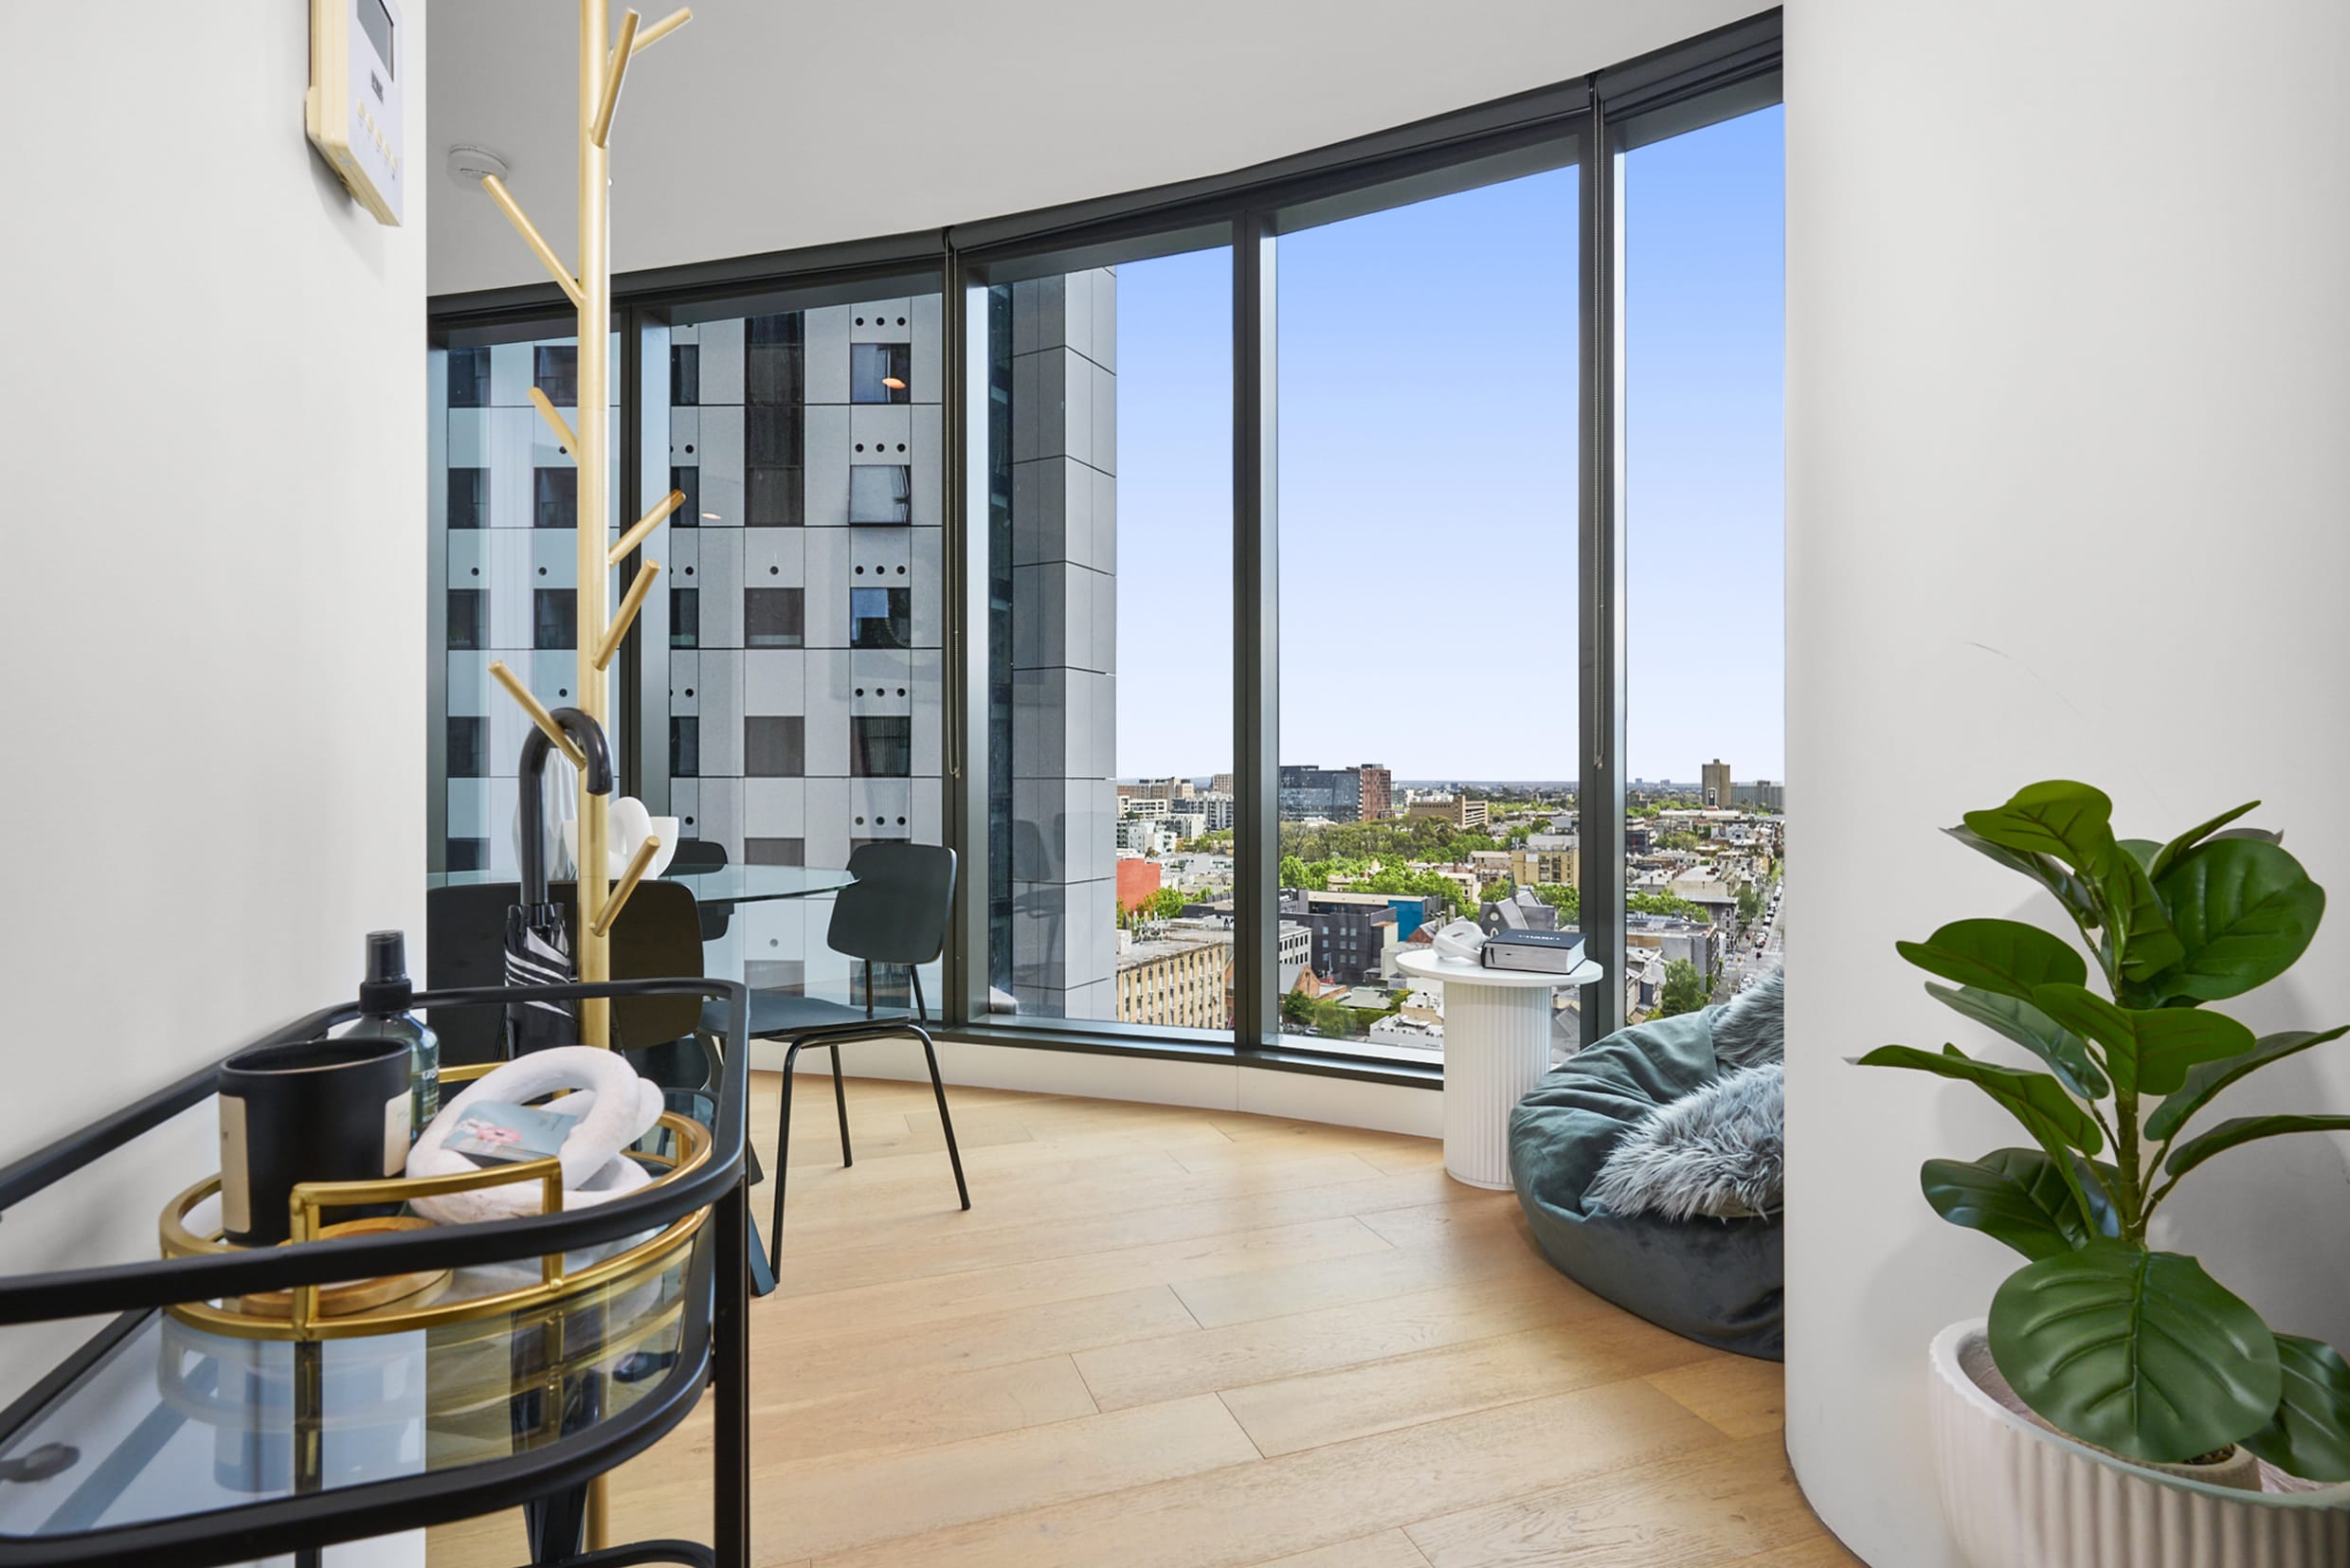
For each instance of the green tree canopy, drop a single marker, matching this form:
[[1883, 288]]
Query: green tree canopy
[[1664, 903], [1566, 900], [1683, 992]]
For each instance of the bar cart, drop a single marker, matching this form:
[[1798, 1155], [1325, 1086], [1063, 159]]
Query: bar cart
[[247, 1404]]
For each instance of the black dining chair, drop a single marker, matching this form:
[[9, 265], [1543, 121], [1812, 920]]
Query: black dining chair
[[893, 916], [698, 853], [657, 935]]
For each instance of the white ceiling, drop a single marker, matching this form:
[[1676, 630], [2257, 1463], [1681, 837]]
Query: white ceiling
[[765, 125]]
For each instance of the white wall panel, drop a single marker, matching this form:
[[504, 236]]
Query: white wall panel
[[2061, 380]]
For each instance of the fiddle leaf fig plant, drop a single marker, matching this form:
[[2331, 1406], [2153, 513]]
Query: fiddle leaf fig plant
[[2137, 1351]]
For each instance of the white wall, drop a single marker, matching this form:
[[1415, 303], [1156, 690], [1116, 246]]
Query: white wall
[[765, 126], [212, 446], [2068, 382]]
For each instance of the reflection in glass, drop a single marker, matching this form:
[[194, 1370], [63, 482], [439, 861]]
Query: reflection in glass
[[465, 629], [467, 494], [881, 747], [554, 618], [464, 754], [772, 618], [880, 492], [774, 747], [555, 370], [469, 378], [556, 494], [880, 372], [881, 617]]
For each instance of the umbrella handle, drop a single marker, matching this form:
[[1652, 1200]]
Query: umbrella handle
[[588, 735]]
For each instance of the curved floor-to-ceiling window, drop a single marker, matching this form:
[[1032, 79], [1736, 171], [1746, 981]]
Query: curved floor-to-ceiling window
[[1245, 579]]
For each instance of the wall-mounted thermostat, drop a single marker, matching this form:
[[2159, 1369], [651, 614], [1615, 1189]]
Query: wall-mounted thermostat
[[354, 108]]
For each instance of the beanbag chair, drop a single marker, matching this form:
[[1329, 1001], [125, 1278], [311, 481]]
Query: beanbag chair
[[1717, 1281]]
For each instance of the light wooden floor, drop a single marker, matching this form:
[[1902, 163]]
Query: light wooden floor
[[1171, 1337]]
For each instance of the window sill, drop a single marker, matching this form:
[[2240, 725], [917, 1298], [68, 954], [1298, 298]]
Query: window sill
[[1277, 1059]]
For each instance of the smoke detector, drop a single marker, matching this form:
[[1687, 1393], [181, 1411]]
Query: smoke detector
[[467, 164]]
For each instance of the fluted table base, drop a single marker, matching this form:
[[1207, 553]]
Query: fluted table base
[[1496, 1044]]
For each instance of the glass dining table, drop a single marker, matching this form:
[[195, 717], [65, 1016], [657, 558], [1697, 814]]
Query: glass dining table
[[718, 886]]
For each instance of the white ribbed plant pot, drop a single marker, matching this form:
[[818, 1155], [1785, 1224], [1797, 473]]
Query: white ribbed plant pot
[[2017, 1495]]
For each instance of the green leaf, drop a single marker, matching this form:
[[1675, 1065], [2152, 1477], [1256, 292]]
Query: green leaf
[[2005, 956], [2072, 822], [2169, 853], [2037, 1100], [2244, 910], [2147, 1050], [2310, 1434], [2068, 890], [2016, 1196], [2063, 1050], [2148, 944], [2142, 850], [2244, 1129], [2139, 1352], [2209, 1080]]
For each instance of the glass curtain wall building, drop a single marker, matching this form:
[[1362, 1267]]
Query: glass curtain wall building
[[802, 699], [504, 499], [1244, 578]]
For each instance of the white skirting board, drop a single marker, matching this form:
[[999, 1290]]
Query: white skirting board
[[1150, 1080]]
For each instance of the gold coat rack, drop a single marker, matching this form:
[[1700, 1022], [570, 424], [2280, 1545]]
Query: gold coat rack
[[602, 69]]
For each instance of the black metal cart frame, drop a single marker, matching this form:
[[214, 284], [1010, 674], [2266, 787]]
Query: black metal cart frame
[[713, 1336]]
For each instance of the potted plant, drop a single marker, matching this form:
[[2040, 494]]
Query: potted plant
[[2131, 1358]]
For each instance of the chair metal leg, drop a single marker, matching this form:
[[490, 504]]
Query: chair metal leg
[[841, 1104], [783, 1162], [945, 1122]]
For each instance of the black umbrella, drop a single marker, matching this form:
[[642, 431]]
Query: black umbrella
[[538, 948]]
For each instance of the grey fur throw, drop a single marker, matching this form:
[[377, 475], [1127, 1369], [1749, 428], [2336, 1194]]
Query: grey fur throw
[[1752, 1028], [1718, 1152]]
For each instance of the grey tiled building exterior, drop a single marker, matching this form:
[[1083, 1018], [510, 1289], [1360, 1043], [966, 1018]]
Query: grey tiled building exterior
[[792, 698]]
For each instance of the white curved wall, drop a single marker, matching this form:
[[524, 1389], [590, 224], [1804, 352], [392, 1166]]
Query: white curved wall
[[2069, 495]]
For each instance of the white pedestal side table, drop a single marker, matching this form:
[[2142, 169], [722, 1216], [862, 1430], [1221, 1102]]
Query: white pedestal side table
[[1496, 1044]]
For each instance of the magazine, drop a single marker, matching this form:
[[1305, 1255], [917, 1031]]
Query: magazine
[[494, 1132]]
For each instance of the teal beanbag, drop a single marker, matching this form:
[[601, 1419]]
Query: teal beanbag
[[1718, 1282]]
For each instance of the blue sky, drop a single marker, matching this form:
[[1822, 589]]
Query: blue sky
[[1426, 409]]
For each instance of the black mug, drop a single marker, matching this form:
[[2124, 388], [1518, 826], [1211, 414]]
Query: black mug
[[320, 1111]]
